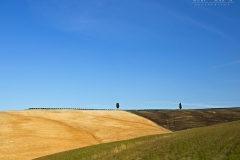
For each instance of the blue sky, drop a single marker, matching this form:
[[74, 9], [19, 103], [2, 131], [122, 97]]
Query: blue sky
[[144, 54]]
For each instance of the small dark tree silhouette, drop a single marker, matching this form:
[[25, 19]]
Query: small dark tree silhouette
[[117, 105], [180, 106]]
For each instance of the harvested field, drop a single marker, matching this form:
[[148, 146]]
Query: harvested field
[[33, 133], [176, 120]]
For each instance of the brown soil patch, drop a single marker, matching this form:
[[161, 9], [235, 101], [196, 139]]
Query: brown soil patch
[[34, 133], [176, 120]]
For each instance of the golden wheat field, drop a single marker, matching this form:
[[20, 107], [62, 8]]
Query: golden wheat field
[[30, 134]]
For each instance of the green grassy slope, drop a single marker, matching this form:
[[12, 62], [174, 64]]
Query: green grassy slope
[[218, 142]]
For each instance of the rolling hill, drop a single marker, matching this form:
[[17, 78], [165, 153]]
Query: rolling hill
[[176, 120], [217, 142], [29, 134]]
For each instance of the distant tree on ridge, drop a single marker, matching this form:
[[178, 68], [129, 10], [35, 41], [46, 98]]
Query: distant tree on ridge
[[180, 106], [117, 105]]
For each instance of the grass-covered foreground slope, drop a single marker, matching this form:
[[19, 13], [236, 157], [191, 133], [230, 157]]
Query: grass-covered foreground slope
[[217, 142]]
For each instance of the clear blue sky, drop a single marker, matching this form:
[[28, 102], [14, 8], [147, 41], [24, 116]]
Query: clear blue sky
[[144, 54]]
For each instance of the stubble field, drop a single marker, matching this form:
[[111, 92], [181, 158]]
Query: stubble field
[[34, 133]]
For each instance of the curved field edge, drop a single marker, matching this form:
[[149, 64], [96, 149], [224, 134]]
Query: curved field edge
[[218, 142], [33, 133]]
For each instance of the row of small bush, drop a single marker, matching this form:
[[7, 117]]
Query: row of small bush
[[66, 109], [93, 109]]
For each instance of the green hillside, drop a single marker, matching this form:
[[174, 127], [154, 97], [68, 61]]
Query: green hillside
[[217, 142]]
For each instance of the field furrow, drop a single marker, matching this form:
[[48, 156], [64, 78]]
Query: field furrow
[[33, 133]]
